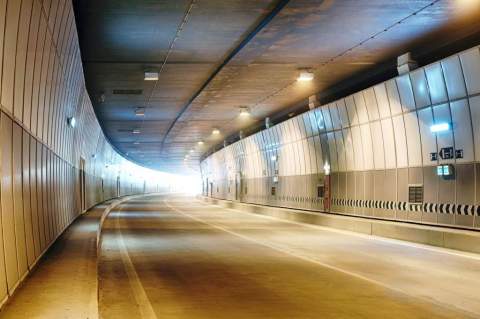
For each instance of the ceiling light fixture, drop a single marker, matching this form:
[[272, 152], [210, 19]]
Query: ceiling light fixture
[[440, 127], [140, 111], [244, 111], [305, 76], [136, 131], [151, 76], [216, 131], [191, 151], [200, 143]]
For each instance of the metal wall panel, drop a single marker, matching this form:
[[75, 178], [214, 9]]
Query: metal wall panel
[[471, 69]]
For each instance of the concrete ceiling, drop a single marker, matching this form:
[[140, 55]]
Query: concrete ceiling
[[214, 56]]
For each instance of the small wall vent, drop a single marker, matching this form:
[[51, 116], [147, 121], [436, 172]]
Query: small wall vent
[[415, 194]]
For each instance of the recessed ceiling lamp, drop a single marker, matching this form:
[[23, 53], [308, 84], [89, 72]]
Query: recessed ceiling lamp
[[191, 151], [136, 131], [200, 143], [216, 131], [140, 111], [305, 76], [136, 143], [151, 76], [244, 111]]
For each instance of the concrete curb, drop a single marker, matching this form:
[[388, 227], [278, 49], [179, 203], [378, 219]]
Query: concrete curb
[[458, 239]]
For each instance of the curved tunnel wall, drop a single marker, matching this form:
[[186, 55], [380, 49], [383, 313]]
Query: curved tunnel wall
[[378, 143], [42, 84]]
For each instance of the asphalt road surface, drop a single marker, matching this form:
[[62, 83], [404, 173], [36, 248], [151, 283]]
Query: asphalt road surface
[[177, 257]]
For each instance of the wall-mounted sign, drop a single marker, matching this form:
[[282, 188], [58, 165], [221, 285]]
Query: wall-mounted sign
[[446, 171], [446, 153], [458, 153]]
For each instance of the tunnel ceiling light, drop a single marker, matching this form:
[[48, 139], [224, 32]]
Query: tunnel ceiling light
[[216, 131], [305, 76], [140, 111], [151, 76], [440, 127], [244, 111], [71, 121]]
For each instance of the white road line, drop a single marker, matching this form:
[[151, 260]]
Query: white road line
[[320, 263], [143, 303], [355, 234]]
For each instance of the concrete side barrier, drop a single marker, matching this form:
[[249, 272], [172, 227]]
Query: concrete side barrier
[[458, 239]]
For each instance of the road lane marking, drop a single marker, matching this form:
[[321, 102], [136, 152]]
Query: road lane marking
[[143, 303], [441, 250], [310, 259]]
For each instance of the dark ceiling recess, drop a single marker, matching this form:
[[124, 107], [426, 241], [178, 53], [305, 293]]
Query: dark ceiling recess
[[214, 57]]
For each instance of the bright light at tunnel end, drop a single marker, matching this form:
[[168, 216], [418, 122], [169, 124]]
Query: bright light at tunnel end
[[440, 127]]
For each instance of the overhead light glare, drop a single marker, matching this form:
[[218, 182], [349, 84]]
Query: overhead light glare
[[216, 131], [440, 127], [191, 151], [244, 111], [305, 76], [151, 76], [200, 143], [273, 158]]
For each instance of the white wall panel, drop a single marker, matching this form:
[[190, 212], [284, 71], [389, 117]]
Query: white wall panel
[[452, 72], [420, 88], [471, 69], [333, 151], [313, 157], [361, 107], [367, 146], [371, 103], [351, 110], [429, 140], [413, 139], [378, 150], [393, 97], [400, 141], [342, 161], [357, 148], [462, 129], [336, 123], [319, 120], [436, 83], [475, 112], [326, 117], [320, 152], [307, 124], [342, 112], [8, 217], [382, 100], [441, 114], [349, 153], [406, 93]]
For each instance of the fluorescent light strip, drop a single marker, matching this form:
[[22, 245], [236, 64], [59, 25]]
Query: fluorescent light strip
[[440, 127]]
